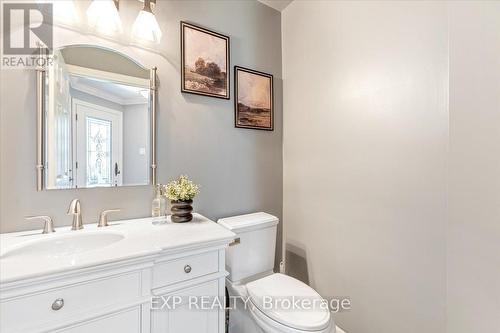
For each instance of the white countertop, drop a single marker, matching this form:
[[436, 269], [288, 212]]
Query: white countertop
[[141, 238]]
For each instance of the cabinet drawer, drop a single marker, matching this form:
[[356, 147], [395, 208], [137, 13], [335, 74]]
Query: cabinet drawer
[[32, 312], [128, 321], [186, 268]]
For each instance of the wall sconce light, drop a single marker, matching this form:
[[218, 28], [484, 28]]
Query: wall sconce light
[[102, 15], [146, 26]]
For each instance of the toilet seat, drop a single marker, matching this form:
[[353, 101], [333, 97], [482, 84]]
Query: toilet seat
[[269, 325], [284, 304]]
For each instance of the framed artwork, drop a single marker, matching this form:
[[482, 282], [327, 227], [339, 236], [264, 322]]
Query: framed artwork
[[254, 100], [204, 62]]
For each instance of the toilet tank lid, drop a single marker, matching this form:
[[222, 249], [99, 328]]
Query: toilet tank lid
[[247, 222]]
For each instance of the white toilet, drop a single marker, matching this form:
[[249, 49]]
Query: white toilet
[[257, 294]]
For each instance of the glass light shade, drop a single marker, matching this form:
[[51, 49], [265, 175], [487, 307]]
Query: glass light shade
[[146, 27], [103, 16]]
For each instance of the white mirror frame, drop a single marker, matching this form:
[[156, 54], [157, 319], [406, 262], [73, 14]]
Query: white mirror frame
[[40, 102]]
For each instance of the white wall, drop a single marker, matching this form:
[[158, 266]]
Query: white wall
[[474, 201], [392, 163], [365, 163]]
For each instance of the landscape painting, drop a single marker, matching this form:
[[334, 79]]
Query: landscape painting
[[254, 99], [205, 61]]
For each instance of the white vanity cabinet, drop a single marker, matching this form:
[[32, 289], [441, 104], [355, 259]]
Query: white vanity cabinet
[[126, 296]]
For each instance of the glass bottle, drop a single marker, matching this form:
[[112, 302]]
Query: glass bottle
[[158, 206]]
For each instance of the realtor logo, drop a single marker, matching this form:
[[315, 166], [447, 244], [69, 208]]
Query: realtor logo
[[26, 25]]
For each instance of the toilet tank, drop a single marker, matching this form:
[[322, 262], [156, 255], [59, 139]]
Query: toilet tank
[[254, 254]]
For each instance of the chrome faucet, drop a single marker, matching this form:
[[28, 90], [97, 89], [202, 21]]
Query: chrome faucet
[[76, 210]]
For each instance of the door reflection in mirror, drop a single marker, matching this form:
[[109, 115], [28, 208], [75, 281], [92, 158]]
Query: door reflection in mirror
[[97, 120]]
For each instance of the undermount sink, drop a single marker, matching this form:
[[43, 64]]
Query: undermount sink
[[65, 245]]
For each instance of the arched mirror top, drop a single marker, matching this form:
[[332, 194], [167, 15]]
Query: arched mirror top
[[102, 59]]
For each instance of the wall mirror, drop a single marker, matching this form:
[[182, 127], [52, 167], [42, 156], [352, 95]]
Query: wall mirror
[[97, 120]]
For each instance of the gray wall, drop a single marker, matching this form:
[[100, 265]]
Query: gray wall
[[239, 170], [365, 142], [136, 135]]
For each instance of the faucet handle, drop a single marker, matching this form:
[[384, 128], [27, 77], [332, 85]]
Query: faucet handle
[[48, 226], [103, 217]]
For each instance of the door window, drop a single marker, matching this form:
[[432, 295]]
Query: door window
[[98, 152]]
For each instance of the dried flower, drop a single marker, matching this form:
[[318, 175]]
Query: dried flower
[[181, 189]]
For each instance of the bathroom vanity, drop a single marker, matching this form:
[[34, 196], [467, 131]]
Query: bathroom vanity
[[107, 279], [96, 127]]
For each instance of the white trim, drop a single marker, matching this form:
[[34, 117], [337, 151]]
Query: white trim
[[108, 76], [96, 106]]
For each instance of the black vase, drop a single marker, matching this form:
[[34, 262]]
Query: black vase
[[181, 211]]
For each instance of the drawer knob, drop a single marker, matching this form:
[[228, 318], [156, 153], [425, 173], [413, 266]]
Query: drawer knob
[[58, 304], [187, 269]]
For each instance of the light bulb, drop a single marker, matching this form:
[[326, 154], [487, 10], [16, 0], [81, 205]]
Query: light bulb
[[103, 16], [145, 26]]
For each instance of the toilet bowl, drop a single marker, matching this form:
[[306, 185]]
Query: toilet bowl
[[259, 299]]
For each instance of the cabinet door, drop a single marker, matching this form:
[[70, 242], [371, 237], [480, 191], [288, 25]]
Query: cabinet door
[[186, 317], [128, 321]]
